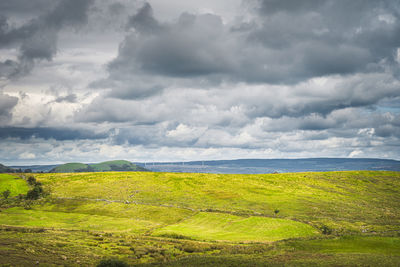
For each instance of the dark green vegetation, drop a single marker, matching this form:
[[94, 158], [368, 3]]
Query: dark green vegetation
[[180, 219], [115, 165]]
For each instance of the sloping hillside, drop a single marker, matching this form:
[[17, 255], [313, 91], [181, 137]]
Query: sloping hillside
[[115, 165], [5, 169], [14, 184], [185, 219]]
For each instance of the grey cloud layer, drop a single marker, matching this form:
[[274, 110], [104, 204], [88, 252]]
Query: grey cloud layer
[[284, 44], [37, 38], [7, 103], [282, 79], [49, 133]]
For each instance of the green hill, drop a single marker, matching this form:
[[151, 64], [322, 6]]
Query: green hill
[[71, 167], [346, 218], [115, 165], [5, 169]]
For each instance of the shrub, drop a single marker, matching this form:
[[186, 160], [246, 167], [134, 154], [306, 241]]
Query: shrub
[[112, 263], [326, 230], [6, 193], [276, 211], [27, 205], [31, 180], [35, 192]]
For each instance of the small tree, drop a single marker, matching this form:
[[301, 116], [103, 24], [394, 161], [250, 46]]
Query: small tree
[[276, 211], [6, 193]]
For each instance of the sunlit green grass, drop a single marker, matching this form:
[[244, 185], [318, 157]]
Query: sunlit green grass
[[15, 184], [352, 201], [156, 214], [180, 219], [350, 244], [38, 218], [225, 227]]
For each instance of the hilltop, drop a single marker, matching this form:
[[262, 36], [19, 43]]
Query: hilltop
[[115, 165]]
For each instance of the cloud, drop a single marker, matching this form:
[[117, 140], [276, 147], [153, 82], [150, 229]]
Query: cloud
[[49, 133], [143, 21], [23, 8], [27, 155], [285, 43], [70, 98], [37, 38], [145, 80], [155, 55], [7, 103]]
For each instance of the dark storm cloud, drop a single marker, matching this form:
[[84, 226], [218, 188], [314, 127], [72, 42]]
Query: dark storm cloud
[[190, 47], [143, 20], [25, 7], [274, 6], [7, 103], [70, 98], [37, 38], [331, 37], [8, 68], [49, 133], [286, 43], [153, 54]]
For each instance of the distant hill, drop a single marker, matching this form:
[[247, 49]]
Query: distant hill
[[115, 165], [245, 166], [71, 167], [5, 169], [36, 168], [257, 166]]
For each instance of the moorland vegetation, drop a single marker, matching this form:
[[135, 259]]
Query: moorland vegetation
[[185, 219]]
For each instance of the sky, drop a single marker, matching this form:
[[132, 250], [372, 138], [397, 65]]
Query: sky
[[95, 80]]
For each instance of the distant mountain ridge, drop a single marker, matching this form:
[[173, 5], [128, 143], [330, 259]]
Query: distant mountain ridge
[[258, 166], [244, 166], [115, 165]]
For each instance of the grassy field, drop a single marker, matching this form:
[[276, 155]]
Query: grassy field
[[181, 219], [226, 227], [16, 185], [344, 201]]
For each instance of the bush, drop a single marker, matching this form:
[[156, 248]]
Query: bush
[[276, 211], [35, 192], [6, 193], [27, 205], [31, 180], [112, 263], [326, 230]]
